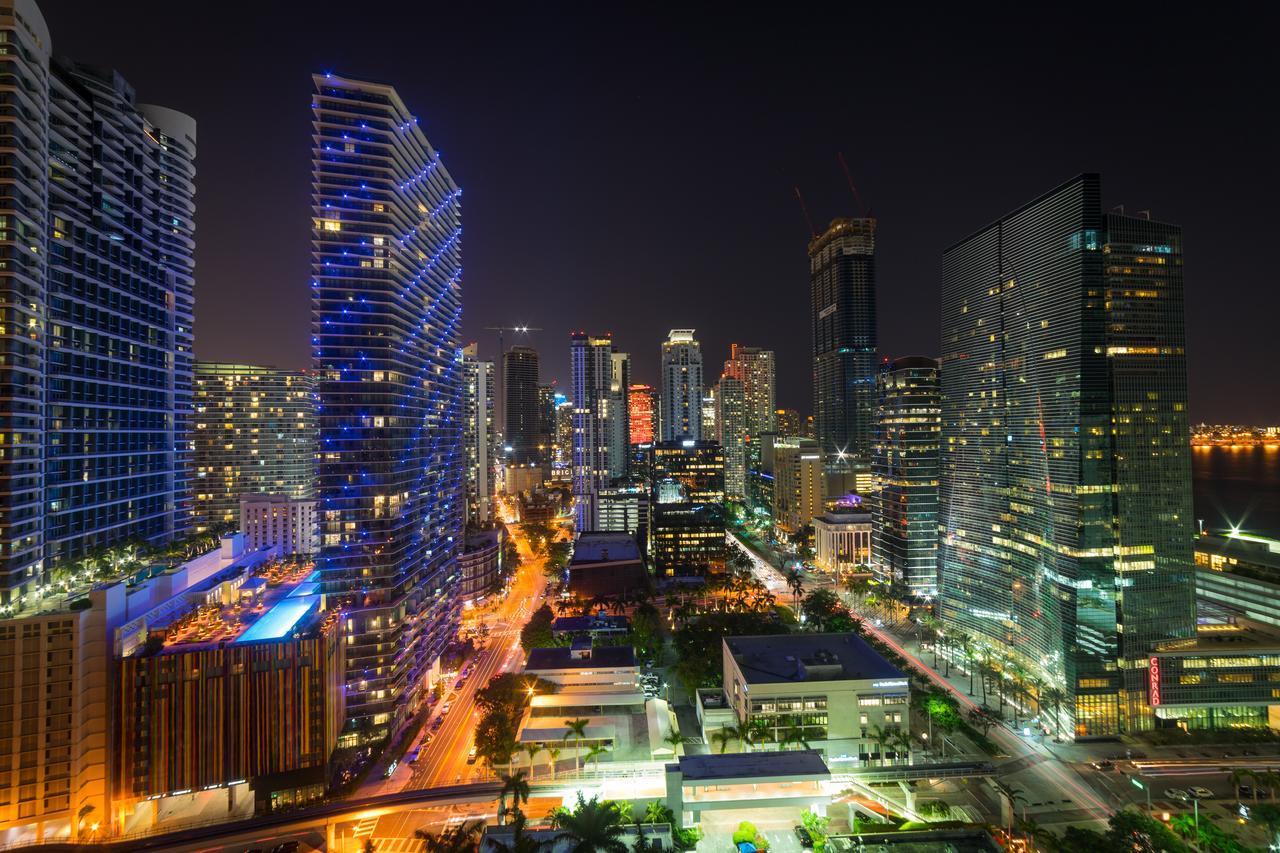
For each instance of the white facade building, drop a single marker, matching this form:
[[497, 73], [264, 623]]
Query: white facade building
[[681, 386], [279, 520], [842, 542]]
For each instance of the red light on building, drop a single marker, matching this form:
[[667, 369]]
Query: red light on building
[[640, 413], [1153, 681]]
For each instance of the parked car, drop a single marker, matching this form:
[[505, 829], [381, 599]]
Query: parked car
[[1200, 793], [445, 709], [412, 757], [802, 835], [287, 847], [471, 756], [1177, 794], [1246, 790]]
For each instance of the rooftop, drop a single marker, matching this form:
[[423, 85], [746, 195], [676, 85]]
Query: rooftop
[[605, 547], [776, 659], [239, 606], [575, 624], [563, 657], [805, 762]]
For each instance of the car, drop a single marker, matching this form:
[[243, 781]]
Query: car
[[802, 835], [445, 709], [471, 756], [412, 757], [436, 723], [1200, 793], [287, 847], [1246, 790], [1104, 764], [391, 768], [1177, 794]]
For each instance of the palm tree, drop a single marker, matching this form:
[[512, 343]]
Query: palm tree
[[674, 739], [520, 841], [1239, 775], [553, 756], [792, 736], [795, 581], [517, 786], [723, 736], [577, 730], [1055, 697], [459, 838], [532, 750], [881, 736], [1010, 794], [594, 753], [592, 827], [901, 743], [758, 731]]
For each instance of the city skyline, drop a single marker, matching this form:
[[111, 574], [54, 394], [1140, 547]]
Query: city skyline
[[794, 137]]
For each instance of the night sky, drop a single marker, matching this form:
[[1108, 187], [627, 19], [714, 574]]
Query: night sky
[[632, 171]]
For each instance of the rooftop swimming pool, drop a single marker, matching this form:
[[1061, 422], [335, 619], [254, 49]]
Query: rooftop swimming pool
[[280, 619]]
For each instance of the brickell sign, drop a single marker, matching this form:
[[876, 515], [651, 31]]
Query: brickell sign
[[1153, 681]]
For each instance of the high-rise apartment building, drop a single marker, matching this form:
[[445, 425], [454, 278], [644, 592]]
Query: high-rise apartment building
[[709, 412], [97, 228], [686, 508], [789, 422], [524, 415], [754, 368], [905, 465], [1065, 505], [619, 416], [386, 307], [255, 433], [477, 433], [591, 370], [797, 486], [642, 413], [681, 408], [731, 432], [842, 270]]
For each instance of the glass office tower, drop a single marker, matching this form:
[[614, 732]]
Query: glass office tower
[[1065, 506], [386, 306], [904, 545], [591, 366], [842, 276]]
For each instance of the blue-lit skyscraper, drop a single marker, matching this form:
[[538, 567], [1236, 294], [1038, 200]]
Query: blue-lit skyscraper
[[386, 307]]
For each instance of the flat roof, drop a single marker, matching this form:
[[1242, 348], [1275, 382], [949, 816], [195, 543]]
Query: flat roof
[[604, 547], [783, 658], [561, 657], [589, 623], [804, 762]]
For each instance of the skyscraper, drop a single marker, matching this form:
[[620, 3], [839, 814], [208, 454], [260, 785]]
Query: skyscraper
[[619, 415], [788, 422], [681, 410], [1065, 505], [477, 433], [754, 368], [255, 433], [842, 269], [591, 371], [686, 508], [797, 487], [522, 410], [386, 306], [904, 544], [97, 221], [731, 432], [642, 412]]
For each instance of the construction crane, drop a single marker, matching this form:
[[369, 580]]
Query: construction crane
[[805, 210], [857, 196]]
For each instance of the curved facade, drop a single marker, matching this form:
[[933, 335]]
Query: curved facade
[[386, 307]]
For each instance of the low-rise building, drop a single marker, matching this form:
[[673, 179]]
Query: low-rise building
[[606, 564], [228, 698], [842, 541], [762, 786], [278, 520], [596, 626], [830, 691], [480, 563]]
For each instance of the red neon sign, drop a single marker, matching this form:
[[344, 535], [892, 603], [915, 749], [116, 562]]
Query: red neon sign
[[1153, 681]]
